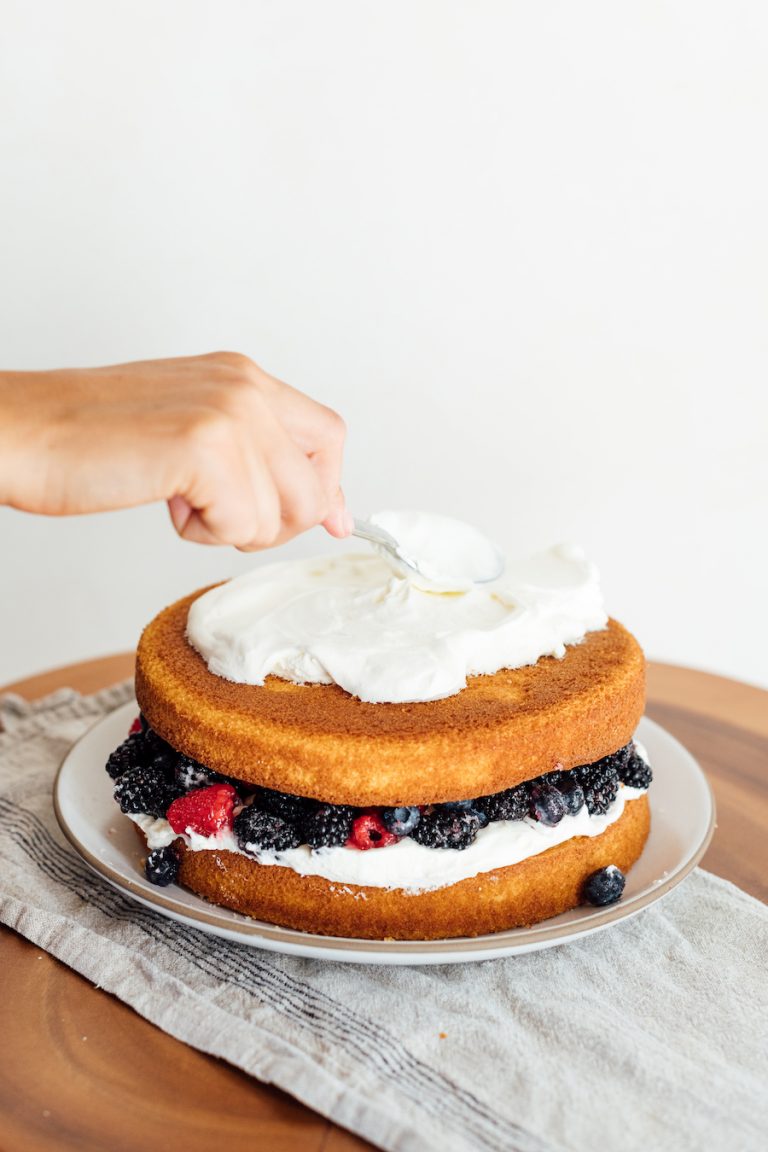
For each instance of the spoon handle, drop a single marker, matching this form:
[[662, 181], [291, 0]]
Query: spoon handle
[[374, 535]]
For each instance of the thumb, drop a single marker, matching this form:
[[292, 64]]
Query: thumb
[[339, 521]]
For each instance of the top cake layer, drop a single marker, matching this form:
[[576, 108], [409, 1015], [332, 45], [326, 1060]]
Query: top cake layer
[[353, 621], [318, 740]]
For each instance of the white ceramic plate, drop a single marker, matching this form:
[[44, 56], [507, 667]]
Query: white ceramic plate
[[682, 822]]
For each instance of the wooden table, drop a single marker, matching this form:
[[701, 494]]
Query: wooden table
[[131, 1087]]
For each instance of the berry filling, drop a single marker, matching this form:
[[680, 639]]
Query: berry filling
[[370, 831], [205, 811], [152, 778]]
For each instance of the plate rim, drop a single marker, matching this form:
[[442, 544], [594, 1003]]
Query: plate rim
[[289, 941]]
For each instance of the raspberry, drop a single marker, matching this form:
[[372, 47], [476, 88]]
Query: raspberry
[[328, 825], [255, 829], [604, 886], [205, 811], [162, 866], [370, 831], [443, 827], [135, 727]]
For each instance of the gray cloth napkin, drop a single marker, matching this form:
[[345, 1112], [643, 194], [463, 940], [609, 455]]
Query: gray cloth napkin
[[649, 1035]]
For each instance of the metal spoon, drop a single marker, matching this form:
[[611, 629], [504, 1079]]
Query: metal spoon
[[365, 530]]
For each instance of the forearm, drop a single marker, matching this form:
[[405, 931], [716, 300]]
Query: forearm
[[23, 428], [241, 457]]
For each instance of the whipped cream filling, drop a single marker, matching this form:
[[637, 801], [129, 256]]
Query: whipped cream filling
[[408, 865], [352, 620]]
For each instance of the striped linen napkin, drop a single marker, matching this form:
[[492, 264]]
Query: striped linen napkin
[[650, 1035]]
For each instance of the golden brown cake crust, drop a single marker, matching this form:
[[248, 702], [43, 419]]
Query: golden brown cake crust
[[521, 894], [316, 740]]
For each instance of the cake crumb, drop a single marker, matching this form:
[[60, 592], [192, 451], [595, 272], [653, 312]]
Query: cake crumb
[[442, 1035]]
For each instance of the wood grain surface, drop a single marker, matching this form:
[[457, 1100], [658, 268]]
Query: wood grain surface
[[79, 1070]]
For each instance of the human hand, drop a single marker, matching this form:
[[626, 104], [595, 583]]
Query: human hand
[[240, 457]]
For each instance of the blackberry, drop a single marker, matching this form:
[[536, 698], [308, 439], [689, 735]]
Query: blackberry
[[600, 782], [283, 804], [254, 828], [509, 805], [130, 754], [546, 804], [604, 886], [142, 789], [617, 759], [190, 775], [443, 827], [468, 806], [635, 772], [159, 754], [328, 825], [400, 821], [162, 866]]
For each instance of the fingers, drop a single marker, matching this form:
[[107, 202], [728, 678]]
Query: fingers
[[229, 496], [263, 465], [339, 521], [320, 433]]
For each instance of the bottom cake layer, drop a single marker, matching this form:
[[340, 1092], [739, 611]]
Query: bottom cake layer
[[522, 894]]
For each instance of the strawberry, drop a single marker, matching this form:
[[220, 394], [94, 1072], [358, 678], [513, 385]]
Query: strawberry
[[205, 811], [369, 831]]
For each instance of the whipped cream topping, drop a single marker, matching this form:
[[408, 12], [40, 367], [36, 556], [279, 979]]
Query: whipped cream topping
[[447, 555], [408, 865], [352, 620]]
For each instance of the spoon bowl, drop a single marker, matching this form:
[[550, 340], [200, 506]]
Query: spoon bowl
[[382, 539]]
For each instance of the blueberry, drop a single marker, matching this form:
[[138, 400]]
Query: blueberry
[[400, 821], [604, 886], [572, 794], [546, 804], [162, 866]]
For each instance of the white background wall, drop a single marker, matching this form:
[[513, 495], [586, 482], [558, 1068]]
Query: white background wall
[[521, 247]]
